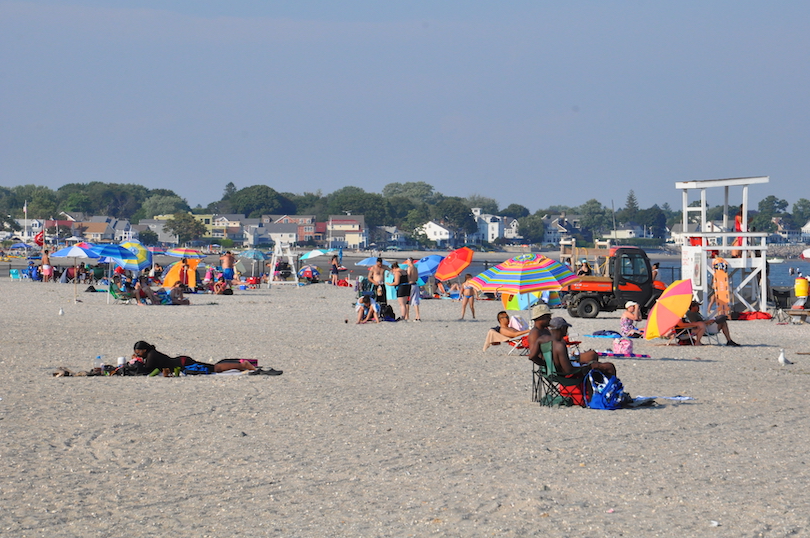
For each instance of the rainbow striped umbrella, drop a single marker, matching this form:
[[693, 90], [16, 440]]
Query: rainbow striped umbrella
[[185, 253], [524, 274], [668, 310], [525, 300], [141, 257]]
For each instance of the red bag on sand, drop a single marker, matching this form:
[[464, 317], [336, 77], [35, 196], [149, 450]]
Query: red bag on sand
[[754, 315], [575, 393]]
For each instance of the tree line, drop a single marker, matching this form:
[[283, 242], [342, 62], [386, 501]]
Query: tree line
[[405, 205]]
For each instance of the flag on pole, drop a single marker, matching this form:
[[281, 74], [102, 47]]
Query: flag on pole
[[25, 207], [39, 238]]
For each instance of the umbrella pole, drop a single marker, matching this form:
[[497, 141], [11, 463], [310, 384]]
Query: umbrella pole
[[75, 281]]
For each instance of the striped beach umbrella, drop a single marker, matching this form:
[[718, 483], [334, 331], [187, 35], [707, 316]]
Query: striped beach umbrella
[[141, 257], [524, 274], [189, 253]]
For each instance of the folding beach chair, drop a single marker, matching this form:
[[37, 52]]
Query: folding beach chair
[[681, 336], [519, 345], [119, 297], [781, 301], [15, 275], [551, 389]]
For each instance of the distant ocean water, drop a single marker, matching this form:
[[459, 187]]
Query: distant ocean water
[[668, 271]]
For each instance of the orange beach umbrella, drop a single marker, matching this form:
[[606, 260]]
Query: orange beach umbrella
[[454, 264]]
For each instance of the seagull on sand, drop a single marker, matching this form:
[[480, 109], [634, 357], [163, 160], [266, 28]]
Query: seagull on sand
[[782, 360]]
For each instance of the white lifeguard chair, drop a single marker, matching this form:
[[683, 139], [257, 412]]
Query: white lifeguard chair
[[281, 251], [746, 262]]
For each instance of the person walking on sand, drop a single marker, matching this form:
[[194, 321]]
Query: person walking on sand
[[416, 295], [467, 296], [227, 262], [47, 268]]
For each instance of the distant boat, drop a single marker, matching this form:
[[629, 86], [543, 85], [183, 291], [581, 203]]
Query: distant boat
[[775, 260]]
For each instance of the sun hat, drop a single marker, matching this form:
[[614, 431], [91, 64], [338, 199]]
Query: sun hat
[[558, 323], [628, 304], [540, 310]]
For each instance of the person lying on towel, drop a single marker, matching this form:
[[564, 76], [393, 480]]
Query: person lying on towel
[[154, 359]]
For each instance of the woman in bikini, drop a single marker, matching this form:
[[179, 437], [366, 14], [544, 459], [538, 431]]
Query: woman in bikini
[[467, 296]]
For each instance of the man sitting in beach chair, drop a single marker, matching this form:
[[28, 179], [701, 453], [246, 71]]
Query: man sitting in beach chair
[[693, 320], [559, 352], [505, 333]]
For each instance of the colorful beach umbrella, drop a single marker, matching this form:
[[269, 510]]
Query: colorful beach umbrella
[[428, 265], [316, 252], [156, 250], [524, 274], [115, 252], [454, 264], [253, 254], [188, 253], [309, 271], [368, 262], [75, 252], [141, 257], [669, 309], [524, 301]]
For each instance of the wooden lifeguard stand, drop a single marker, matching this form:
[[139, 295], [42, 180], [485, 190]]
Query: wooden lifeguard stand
[[746, 272]]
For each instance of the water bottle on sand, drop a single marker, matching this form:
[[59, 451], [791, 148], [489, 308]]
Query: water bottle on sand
[[98, 362]]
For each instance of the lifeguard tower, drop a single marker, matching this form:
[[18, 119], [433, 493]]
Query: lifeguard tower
[[744, 257], [280, 252]]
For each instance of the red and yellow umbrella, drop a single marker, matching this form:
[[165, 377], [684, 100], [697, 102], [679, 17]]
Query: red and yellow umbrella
[[668, 310], [454, 264]]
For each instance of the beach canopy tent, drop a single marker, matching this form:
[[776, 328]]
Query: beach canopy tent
[[171, 274], [20, 246]]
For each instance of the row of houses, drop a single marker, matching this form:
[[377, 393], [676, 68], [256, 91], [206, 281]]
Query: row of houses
[[338, 231], [347, 231]]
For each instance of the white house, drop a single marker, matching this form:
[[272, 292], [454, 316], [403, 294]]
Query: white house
[[436, 232], [492, 227], [806, 232]]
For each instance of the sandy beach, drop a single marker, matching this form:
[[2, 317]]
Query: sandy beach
[[396, 429]]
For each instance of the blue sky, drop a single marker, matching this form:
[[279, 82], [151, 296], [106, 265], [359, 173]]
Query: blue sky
[[536, 103]]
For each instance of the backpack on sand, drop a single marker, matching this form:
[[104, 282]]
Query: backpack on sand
[[387, 313]]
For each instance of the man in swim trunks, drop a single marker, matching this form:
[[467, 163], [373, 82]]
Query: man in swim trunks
[[416, 297], [47, 268], [376, 274], [227, 262]]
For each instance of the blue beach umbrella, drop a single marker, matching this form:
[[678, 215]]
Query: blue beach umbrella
[[427, 266], [368, 262]]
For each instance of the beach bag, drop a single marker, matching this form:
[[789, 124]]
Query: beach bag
[[227, 291], [606, 393], [387, 312], [623, 346], [518, 323]]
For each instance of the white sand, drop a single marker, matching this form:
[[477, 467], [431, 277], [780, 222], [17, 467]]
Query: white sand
[[397, 429]]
